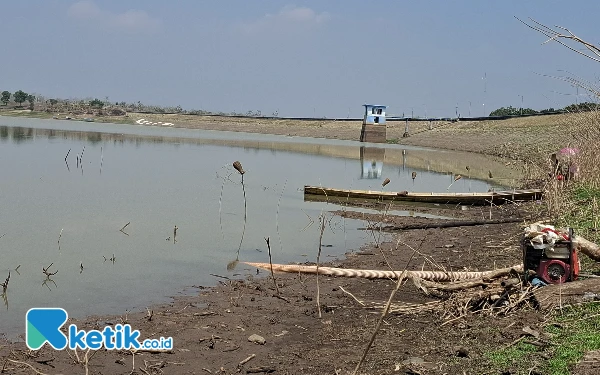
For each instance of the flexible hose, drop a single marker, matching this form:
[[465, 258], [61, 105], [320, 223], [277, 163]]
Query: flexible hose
[[375, 274]]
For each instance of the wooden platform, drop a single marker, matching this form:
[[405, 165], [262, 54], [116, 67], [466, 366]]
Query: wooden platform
[[497, 197]]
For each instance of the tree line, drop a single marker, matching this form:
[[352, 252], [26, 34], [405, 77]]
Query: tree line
[[18, 97], [512, 111]]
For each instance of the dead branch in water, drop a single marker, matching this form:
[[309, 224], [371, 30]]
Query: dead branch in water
[[5, 283], [46, 271], [66, 162], [122, 230], [277, 216], [59, 236]]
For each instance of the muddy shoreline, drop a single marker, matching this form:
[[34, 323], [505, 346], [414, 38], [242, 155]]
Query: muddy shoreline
[[211, 330]]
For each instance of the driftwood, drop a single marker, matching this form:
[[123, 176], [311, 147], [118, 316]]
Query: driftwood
[[424, 285], [557, 295], [445, 224], [587, 247]]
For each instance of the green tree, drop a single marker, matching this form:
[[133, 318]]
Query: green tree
[[512, 111], [19, 97], [30, 99], [505, 111], [5, 97], [97, 103], [582, 107], [53, 102]]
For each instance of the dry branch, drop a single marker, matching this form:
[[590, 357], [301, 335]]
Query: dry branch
[[449, 287], [271, 263], [561, 33]]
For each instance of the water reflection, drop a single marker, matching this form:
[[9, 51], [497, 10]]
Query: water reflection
[[404, 157], [371, 160]]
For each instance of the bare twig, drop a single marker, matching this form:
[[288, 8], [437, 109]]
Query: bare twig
[[271, 263], [221, 205], [277, 216], [125, 226], [322, 218], [352, 295], [238, 166], [247, 360], [559, 36], [5, 283], [59, 236], [66, 162], [386, 310], [28, 365], [47, 272]]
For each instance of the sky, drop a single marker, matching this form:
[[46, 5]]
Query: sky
[[304, 58]]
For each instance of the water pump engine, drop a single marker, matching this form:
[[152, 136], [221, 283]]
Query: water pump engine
[[551, 256]]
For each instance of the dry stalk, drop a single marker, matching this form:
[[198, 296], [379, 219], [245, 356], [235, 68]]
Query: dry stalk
[[59, 236], [221, 204], [26, 364], [352, 295], [5, 283], [271, 264], [385, 310], [238, 166], [277, 216], [124, 226], [558, 36], [46, 271], [247, 360], [322, 218]]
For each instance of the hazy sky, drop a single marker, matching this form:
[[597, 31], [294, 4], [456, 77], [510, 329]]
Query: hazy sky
[[303, 58]]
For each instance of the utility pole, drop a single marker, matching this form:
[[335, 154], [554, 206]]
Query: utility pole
[[521, 104], [484, 90], [469, 109]]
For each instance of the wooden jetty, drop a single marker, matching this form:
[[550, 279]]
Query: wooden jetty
[[495, 197]]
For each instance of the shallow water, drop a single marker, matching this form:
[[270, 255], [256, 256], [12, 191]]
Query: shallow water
[[159, 178]]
